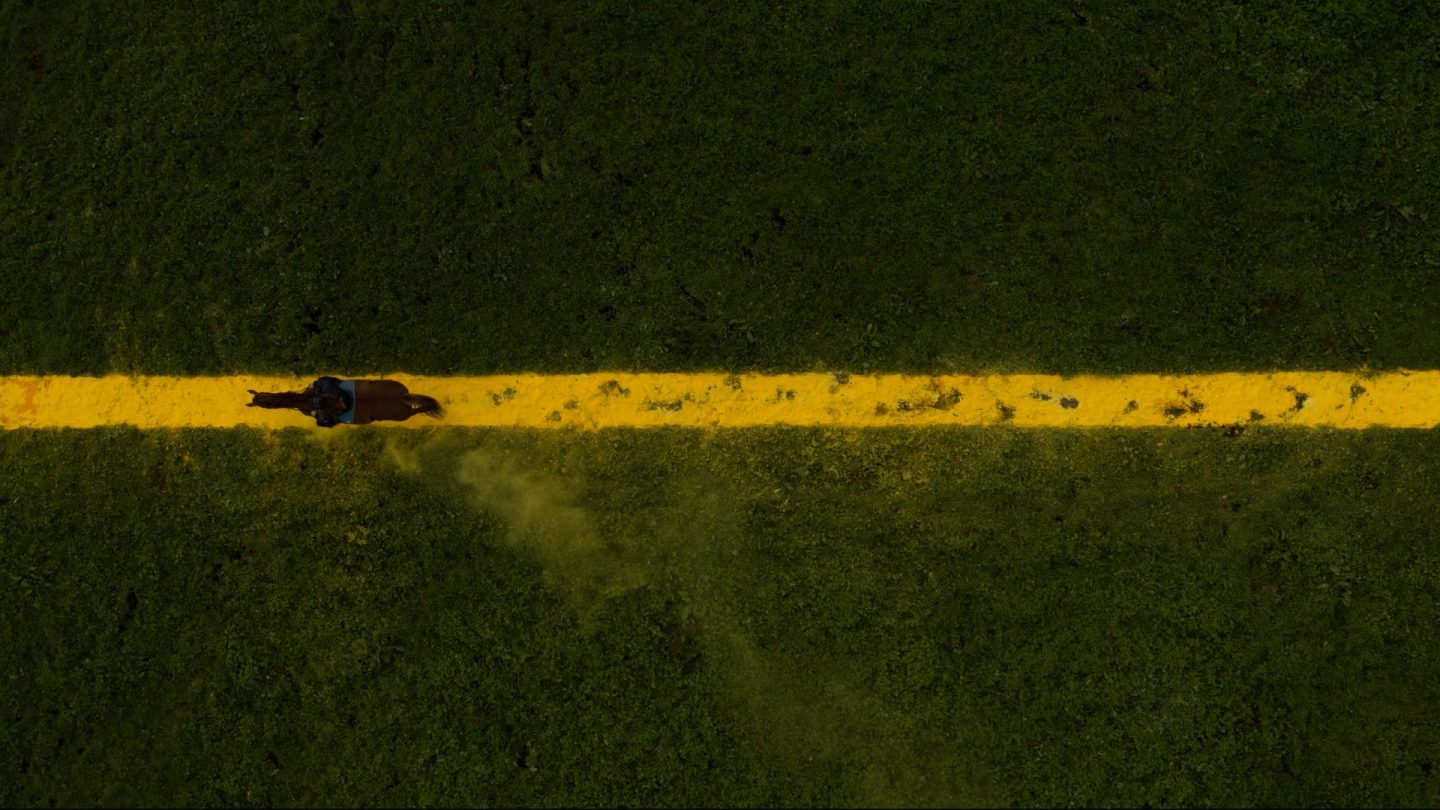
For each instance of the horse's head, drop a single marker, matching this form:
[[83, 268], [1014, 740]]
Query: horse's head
[[283, 399]]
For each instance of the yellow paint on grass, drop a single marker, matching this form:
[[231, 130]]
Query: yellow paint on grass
[[1401, 399]]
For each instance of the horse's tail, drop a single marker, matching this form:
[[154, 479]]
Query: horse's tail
[[424, 404]]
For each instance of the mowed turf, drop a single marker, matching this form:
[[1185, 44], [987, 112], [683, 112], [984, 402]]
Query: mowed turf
[[745, 617], [447, 188], [685, 617]]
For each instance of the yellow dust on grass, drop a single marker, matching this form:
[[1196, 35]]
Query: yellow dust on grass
[[1402, 399]]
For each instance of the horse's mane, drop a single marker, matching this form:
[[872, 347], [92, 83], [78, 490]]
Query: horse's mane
[[282, 399]]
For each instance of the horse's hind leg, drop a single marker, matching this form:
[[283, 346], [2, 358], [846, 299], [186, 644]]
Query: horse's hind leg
[[380, 389], [388, 409], [380, 400]]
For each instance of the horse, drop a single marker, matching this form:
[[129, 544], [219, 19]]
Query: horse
[[353, 402]]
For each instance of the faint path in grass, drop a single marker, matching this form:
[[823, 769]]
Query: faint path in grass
[[808, 713], [1360, 399]]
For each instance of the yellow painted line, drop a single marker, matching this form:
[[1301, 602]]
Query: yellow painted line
[[1398, 399]]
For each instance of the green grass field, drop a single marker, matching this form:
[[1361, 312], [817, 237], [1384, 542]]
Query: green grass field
[[753, 617]]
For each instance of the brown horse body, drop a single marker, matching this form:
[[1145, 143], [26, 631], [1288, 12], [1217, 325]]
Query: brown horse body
[[375, 401]]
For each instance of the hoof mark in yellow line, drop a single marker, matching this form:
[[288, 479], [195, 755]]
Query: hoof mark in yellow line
[[1401, 399]]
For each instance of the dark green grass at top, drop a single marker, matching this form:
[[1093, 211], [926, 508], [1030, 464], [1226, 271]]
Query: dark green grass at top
[[448, 187], [752, 618]]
